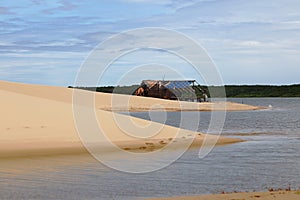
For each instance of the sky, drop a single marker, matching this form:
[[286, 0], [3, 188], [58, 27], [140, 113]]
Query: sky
[[250, 42]]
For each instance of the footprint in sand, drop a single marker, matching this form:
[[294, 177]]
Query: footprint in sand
[[162, 142], [149, 143]]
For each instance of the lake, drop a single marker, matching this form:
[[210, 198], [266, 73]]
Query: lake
[[269, 158]]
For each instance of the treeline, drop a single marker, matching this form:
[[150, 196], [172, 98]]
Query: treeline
[[262, 91], [111, 89], [231, 90]]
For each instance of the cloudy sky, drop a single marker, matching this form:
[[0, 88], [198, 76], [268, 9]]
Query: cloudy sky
[[251, 42]]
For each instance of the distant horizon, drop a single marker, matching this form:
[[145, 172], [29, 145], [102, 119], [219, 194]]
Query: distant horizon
[[293, 84], [234, 91], [108, 85]]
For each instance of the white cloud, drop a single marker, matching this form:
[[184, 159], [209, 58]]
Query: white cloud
[[237, 33]]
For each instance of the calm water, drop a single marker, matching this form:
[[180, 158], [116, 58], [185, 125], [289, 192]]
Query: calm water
[[270, 158]]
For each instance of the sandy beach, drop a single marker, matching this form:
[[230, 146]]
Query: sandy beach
[[282, 195], [115, 102], [38, 120]]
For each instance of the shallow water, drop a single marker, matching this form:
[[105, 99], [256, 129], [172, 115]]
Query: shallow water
[[269, 158]]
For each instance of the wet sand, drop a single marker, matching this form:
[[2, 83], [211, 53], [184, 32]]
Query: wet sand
[[282, 195]]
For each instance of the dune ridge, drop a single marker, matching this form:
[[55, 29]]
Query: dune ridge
[[104, 101], [38, 120]]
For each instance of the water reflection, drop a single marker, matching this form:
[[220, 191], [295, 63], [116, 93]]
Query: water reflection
[[270, 158]]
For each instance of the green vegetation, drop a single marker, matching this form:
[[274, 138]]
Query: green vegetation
[[231, 90], [111, 89], [240, 91], [263, 91]]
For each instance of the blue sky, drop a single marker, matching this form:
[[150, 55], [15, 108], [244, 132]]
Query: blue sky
[[251, 42]]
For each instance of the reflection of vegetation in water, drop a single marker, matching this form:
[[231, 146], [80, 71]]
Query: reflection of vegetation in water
[[231, 90]]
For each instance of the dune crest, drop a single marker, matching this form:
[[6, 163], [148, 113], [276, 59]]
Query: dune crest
[[38, 120]]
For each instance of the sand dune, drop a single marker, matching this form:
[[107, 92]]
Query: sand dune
[[38, 120], [115, 102]]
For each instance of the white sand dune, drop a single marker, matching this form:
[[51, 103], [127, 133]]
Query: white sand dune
[[104, 101], [38, 120]]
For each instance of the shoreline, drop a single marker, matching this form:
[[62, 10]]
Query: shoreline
[[270, 195], [115, 102], [176, 109], [43, 149], [39, 120]]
